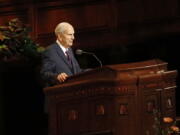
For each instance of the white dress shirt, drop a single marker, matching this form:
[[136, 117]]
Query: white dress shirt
[[62, 47]]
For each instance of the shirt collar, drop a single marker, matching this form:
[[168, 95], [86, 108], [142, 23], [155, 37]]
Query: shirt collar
[[61, 46]]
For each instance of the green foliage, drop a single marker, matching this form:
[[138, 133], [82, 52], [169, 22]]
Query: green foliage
[[165, 125], [15, 41]]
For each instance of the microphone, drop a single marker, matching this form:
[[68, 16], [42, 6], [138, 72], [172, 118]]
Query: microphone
[[79, 52]]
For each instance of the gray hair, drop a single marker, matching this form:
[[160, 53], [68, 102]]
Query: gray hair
[[62, 27]]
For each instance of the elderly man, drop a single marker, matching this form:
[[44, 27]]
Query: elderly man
[[58, 61]]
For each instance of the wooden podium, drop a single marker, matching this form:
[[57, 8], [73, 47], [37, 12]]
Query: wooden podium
[[114, 99]]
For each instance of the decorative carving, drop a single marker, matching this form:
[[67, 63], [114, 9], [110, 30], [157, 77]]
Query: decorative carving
[[123, 109], [97, 91], [169, 103], [100, 110], [150, 106], [72, 115]]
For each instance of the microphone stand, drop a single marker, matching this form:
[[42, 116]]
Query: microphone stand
[[97, 60], [94, 57]]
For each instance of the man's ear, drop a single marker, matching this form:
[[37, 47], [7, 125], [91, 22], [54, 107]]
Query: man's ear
[[59, 37]]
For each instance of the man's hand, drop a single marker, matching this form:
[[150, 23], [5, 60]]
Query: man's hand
[[62, 77]]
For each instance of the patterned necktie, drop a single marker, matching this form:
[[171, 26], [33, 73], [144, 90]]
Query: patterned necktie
[[68, 56]]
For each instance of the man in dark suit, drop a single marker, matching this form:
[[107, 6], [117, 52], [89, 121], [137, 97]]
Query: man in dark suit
[[58, 61]]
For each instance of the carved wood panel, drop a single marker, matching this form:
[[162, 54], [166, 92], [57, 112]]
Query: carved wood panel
[[10, 12], [121, 22], [84, 16]]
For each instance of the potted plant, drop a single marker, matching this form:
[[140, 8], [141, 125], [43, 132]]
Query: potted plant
[[16, 43], [20, 87]]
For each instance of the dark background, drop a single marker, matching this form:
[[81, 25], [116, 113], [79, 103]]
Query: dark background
[[117, 31]]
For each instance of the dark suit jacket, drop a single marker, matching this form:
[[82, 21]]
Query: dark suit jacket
[[55, 62]]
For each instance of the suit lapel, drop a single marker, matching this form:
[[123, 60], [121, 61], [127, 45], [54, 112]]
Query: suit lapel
[[63, 57]]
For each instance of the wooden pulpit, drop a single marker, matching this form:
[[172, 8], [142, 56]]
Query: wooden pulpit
[[114, 99]]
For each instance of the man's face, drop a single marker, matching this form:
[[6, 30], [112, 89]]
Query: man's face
[[66, 38]]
